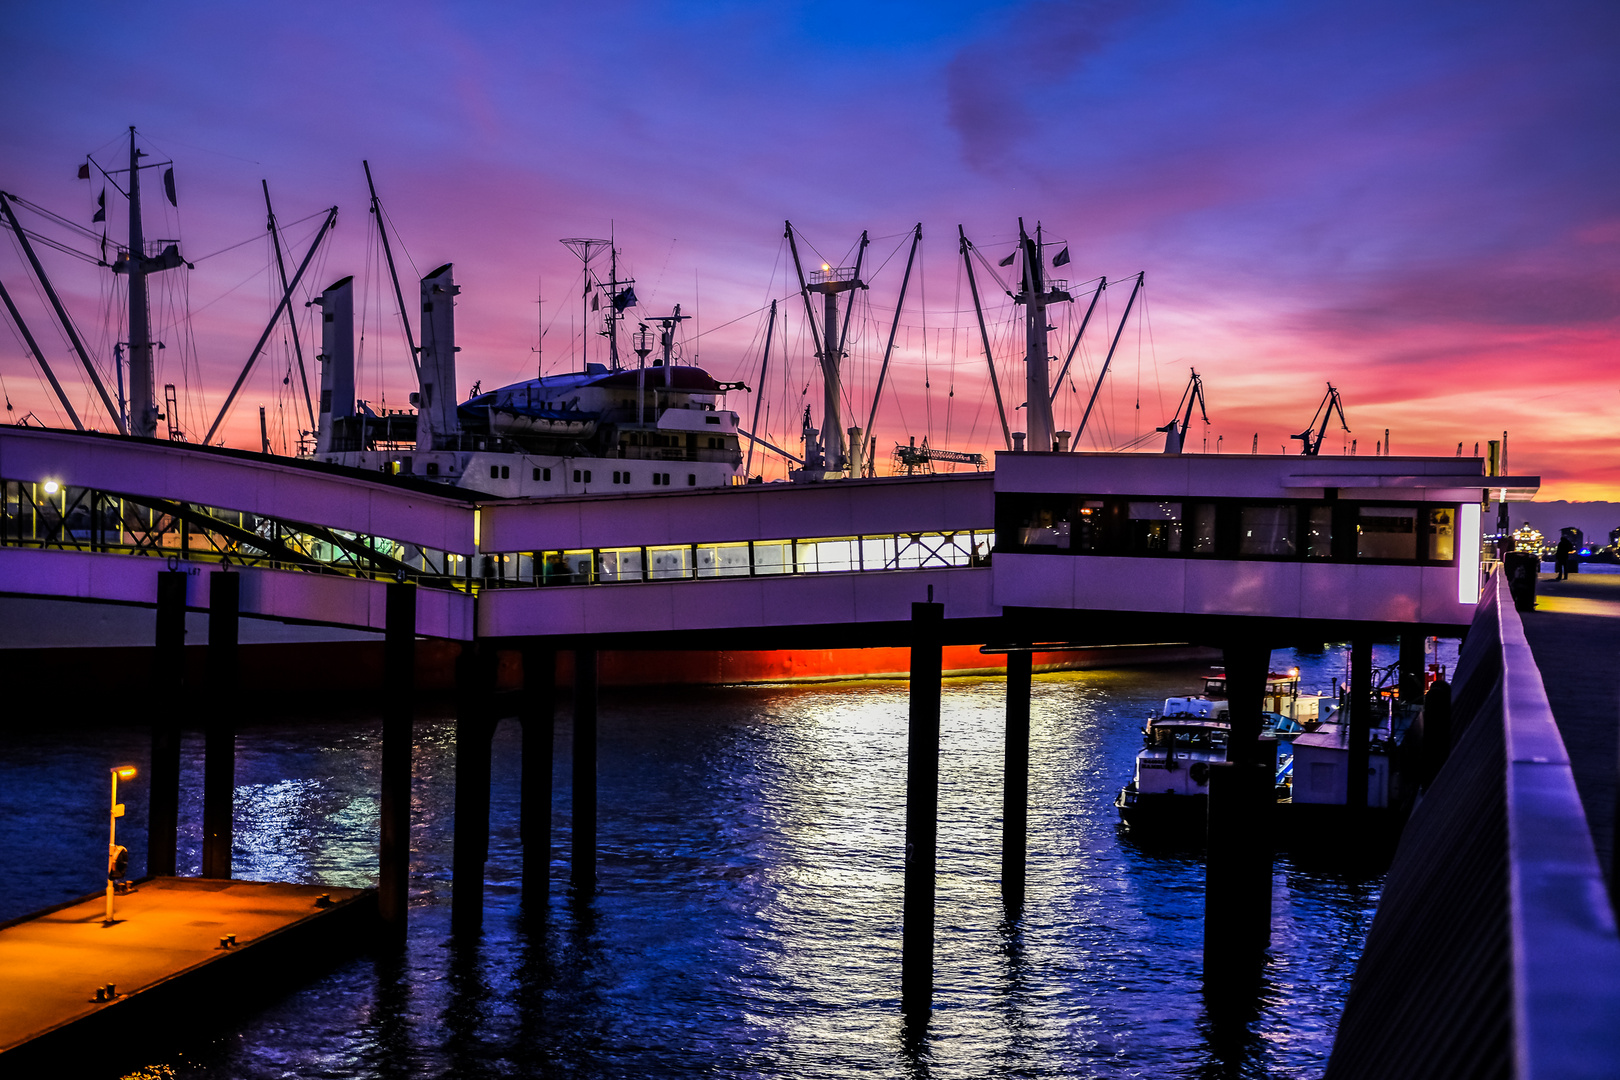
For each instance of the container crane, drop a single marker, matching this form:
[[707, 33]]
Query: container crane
[[1324, 412]]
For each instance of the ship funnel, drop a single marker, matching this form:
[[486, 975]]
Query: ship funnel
[[436, 422], [337, 359]]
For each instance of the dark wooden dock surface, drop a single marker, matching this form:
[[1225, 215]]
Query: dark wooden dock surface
[[1574, 633]]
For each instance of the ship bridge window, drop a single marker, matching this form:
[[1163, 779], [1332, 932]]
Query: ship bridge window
[[1266, 529], [1386, 532], [711, 419], [1155, 527]]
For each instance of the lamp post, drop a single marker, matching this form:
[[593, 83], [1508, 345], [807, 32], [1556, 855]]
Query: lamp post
[[117, 857]]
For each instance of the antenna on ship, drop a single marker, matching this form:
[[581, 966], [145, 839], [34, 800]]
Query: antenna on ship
[[618, 300], [587, 249]]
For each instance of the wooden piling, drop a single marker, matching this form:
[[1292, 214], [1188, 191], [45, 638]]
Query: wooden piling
[[398, 693], [922, 813], [583, 863], [1414, 643], [539, 719], [1015, 783], [219, 739], [1355, 780], [165, 708], [1237, 882], [475, 684]]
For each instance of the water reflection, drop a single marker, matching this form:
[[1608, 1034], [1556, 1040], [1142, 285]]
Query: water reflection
[[747, 919]]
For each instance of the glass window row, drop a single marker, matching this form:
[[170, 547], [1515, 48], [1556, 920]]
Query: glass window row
[[756, 558], [1228, 528]]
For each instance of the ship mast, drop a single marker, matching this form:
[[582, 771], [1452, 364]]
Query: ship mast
[[831, 454], [1035, 296], [143, 411]]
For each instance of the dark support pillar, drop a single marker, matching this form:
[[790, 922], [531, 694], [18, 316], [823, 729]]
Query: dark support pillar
[[922, 815], [475, 684], [1436, 730], [1413, 645], [219, 739], [539, 730], [398, 694], [1015, 783], [1355, 791], [583, 868], [164, 704], [1237, 882], [1247, 666]]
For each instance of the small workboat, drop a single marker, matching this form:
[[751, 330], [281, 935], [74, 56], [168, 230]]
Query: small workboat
[[1169, 793]]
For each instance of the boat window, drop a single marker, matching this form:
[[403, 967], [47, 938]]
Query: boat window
[[669, 563], [722, 560], [1318, 532], [1155, 527], [1266, 530], [1199, 528], [1442, 534], [773, 556], [618, 564], [1386, 532]]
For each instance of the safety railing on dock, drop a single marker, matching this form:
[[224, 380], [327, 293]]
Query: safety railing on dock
[[1494, 950]]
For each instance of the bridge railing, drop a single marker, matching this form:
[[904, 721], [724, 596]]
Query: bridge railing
[[45, 515], [755, 558], [1494, 950]]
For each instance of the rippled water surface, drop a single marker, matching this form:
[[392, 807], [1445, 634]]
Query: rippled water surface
[[747, 919]]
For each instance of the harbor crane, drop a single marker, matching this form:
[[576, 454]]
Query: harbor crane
[[914, 458], [1176, 435], [1324, 412]]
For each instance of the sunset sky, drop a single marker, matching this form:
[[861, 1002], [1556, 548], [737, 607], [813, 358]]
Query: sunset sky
[[1417, 202]]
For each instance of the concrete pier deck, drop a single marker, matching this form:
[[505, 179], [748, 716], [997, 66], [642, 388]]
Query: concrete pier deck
[[162, 952], [1574, 633]]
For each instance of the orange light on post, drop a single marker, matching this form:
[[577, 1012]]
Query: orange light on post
[[117, 857]]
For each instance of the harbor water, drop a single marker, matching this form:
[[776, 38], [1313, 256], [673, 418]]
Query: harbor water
[[746, 921]]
